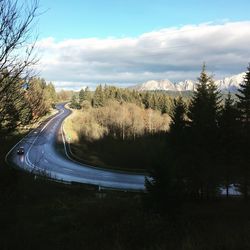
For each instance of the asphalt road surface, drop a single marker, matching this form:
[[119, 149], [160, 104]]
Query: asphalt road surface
[[42, 157]]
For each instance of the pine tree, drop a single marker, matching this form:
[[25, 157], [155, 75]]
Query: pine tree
[[229, 127], [166, 183], [98, 98], [154, 102], [244, 101], [74, 104], [244, 117], [178, 122], [203, 114], [81, 96], [205, 104], [84, 95], [163, 104], [146, 100]]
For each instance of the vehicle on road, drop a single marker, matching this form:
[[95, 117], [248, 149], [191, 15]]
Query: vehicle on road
[[20, 151]]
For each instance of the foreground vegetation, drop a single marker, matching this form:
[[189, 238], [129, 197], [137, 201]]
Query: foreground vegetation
[[46, 215], [42, 215]]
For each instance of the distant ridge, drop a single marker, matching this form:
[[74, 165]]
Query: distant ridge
[[227, 84]]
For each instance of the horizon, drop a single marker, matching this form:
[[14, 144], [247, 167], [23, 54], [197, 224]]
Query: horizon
[[58, 89]]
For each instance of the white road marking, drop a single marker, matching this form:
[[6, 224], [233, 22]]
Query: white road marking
[[29, 166], [69, 170], [26, 158]]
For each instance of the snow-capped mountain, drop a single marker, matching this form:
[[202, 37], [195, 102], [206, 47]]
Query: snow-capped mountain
[[230, 83], [156, 85], [227, 84]]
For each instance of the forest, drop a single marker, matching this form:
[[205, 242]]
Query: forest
[[25, 102], [201, 143]]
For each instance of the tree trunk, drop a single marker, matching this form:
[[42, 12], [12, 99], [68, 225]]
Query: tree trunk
[[123, 133], [245, 188], [227, 190]]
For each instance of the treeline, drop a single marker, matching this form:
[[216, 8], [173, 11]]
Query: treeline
[[99, 98], [64, 95], [118, 120], [23, 102], [207, 146]]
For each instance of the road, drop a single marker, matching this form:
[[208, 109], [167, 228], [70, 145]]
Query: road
[[42, 156]]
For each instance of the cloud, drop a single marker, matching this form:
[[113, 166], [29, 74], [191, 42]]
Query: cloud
[[175, 53]]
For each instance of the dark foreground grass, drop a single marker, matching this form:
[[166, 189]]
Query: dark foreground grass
[[38, 214], [132, 155]]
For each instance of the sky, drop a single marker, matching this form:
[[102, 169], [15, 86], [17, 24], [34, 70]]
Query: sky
[[125, 42]]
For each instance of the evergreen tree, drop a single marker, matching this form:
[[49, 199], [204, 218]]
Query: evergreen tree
[[244, 117], [205, 104], [84, 95], [147, 100], [244, 101], [154, 102], [166, 185], [203, 114], [98, 98], [178, 122], [163, 104], [229, 127], [81, 96], [74, 104]]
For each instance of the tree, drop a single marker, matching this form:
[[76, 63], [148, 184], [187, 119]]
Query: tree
[[244, 117], [136, 120], [244, 101], [16, 56], [146, 100], [51, 93], [154, 102], [178, 122], [163, 103], [204, 107], [84, 95], [81, 96], [74, 104], [229, 127], [166, 182], [203, 114], [64, 95], [98, 98]]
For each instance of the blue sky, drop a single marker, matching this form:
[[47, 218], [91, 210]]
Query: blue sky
[[126, 42], [116, 18]]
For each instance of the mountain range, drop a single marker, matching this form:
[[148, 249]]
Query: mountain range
[[227, 84]]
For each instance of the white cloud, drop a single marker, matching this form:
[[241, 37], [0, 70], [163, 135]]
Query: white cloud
[[175, 53]]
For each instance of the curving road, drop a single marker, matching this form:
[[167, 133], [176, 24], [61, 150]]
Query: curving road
[[42, 156]]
